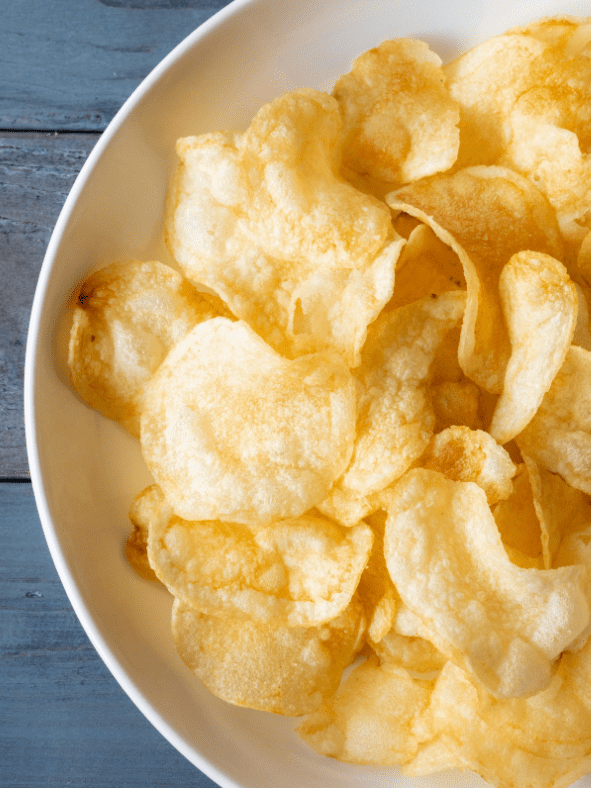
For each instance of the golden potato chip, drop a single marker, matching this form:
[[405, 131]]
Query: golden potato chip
[[560, 508], [559, 435], [575, 548], [519, 524], [511, 743], [432, 756], [299, 572], [455, 404], [266, 221], [426, 267], [143, 510], [127, 317], [286, 670], [466, 455], [369, 720], [467, 210], [410, 652], [539, 303], [504, 624], [394, 414], [524, 104], [582, 335], [399, 123], [234, 432], [376, 591]]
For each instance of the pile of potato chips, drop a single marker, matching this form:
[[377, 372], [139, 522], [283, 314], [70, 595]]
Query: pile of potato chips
[[369, 425]]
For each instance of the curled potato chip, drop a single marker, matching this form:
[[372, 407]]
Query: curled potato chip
[[560, 508], [394, 414], [519, 524], [399, 122], [559, 435], [486, 215], [127, 318], [540, 307], [299, 572], [513, 742], [369, 720], [426, 267], [504, 624], [286, 670], [524, 98], [375, 589], [266, 221], [466, 455], [232, 431], [144, 509]]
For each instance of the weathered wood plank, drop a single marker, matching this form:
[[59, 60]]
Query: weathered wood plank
[[70, 64], [64, 720], [36, 173]]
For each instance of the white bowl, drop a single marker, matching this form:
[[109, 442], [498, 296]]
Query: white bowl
[[85, 469]]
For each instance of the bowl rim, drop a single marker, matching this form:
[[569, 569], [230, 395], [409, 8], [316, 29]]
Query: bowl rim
[[81, 609]]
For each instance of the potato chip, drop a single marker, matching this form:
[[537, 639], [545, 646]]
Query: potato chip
[[582, 335], [539, 304], [559, 435], [399, 123], [510, 743], [519, 524], [299, 572], [466, 455], [575, 548], [286, 670], [127, 317], [376, 590], [234, 432], [524, 104], [426, 267], [266, 221], [144, 508], [506, 625], [560, 508], [369, 720], [432, 756], [467, 210], [394, 415], [410, 652]]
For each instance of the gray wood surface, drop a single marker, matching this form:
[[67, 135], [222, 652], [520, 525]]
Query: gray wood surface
[[36, 173], [64, 721], [70, 64]]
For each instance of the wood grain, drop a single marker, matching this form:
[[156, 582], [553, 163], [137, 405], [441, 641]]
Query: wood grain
[[36, 173], [64, 720], [71, 64]]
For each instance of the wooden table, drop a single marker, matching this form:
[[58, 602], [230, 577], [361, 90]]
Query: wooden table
[[66, 66]]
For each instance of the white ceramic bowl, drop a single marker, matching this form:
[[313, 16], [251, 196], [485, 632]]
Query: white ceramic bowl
[[85, 469]]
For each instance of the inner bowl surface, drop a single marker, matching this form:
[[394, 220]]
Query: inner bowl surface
[[85, 469]]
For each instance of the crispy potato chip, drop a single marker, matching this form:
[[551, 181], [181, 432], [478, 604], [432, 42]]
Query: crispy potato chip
[[511, 743], [266, 221], [299, 572], [408, 651], [395, 418], [518, 522], [144, 509], [376, 590], [575, 548], [369, 720], [504, 624], [485, 214], [560, 508], [232, 431], [456, 404], [539, 303], [127, 318], [286, 670], [466, 455], [432, 756], [559, 435], [426, 267], [399, 123], [524, 103], [582, 335]]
